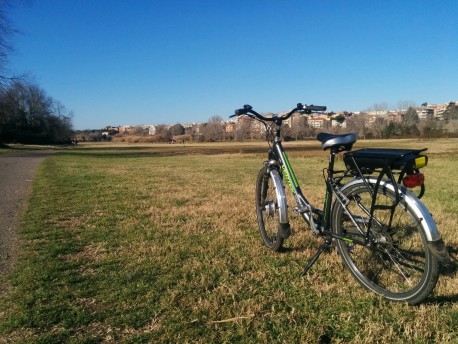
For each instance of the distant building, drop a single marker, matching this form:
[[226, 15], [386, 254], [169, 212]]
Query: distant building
[[230, 127], [337, 124], [126, 129], [258, 128], [438, 110], [316, 122], [110, 128], [425, 113], [394, 117]]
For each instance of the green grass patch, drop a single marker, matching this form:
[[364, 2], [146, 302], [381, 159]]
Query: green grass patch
[[4, 149], [159, 244]]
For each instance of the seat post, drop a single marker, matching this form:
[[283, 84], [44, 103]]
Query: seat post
[[332, 159], [328, 197]]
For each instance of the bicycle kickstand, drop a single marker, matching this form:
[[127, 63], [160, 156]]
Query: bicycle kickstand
[[326, 243]]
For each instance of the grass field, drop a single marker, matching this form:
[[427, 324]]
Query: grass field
[[4, 149], [138, 244]]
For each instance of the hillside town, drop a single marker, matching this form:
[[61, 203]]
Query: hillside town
[[379, 122]]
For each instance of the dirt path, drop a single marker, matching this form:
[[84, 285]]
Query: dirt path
[[16, 173]]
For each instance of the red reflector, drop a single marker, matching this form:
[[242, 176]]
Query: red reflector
[[413, 180]]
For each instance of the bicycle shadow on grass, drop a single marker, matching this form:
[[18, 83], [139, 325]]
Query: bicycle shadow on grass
[[451, 271], [441, 300], [312, 245], [447, 271]]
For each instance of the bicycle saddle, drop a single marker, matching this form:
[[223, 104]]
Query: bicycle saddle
[[339, 142]]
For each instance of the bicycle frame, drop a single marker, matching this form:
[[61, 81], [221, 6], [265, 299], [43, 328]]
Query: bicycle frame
[[278, 158]]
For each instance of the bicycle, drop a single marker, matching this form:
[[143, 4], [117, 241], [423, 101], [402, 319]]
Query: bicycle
[[385, 235]]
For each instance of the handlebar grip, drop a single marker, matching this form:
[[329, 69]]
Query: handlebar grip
[[243, 111], [239, 112], [315, 107]]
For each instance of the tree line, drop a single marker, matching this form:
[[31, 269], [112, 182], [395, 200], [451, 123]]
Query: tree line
[[29, 115], [409, 125]]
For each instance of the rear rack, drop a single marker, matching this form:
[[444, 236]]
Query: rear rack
[[385, 162]]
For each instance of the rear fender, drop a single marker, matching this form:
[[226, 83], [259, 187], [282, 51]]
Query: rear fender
[[407, 199]]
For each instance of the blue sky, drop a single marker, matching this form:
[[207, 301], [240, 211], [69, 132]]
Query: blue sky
[[126, 62]]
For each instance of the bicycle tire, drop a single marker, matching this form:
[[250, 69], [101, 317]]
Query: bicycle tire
[[267, 210], [398, 264]]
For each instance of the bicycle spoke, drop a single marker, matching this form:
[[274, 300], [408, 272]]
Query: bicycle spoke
[[407, 262], [407, 279]]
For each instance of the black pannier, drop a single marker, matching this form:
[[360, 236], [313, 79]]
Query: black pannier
[[375, 158]]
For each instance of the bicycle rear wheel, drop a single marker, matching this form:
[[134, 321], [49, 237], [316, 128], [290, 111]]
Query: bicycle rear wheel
[[267, 210], [397, 263]]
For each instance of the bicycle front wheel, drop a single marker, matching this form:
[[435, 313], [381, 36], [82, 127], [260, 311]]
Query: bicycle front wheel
[[397, 263], [267, 210]]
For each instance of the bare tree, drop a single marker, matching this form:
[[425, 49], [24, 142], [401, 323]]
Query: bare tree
[[430, 128], [357, 124], [409, 122], [380, 107], [451, 112], [6, 33], [298, 127], [411, 117], [243, 129], [177, 129], [163, 132], [405, 104], [214, 130], [139, 130], [378, 126]]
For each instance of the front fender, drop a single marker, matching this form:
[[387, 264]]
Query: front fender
[[281, 196]]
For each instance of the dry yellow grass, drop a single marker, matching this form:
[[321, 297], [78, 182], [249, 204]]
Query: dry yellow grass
[[159, 243]]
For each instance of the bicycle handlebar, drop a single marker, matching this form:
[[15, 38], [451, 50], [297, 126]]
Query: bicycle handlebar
[[248, 110]]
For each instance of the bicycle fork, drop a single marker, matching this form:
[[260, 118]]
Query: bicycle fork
[[285, 228]]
